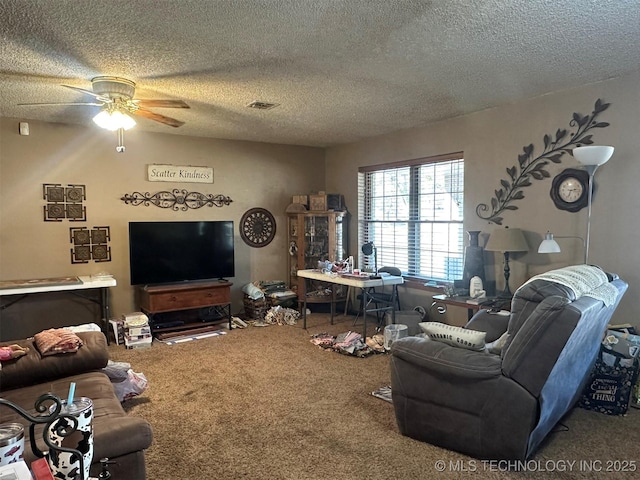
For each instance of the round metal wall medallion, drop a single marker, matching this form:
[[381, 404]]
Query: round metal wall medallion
[[257, 227]]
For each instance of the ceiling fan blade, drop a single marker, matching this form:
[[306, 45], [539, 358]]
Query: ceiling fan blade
[[89, 92], [172, 122], [63, 103], [161, 104]]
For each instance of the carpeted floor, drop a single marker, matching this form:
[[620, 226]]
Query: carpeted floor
[[264, 403]]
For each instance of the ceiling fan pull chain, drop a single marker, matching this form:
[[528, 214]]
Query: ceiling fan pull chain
[[120, 147]]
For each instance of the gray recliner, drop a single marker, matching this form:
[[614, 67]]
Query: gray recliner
[[502, 406]]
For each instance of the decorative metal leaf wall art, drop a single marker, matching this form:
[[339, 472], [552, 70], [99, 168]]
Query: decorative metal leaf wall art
[[176, 199], [530, 167]]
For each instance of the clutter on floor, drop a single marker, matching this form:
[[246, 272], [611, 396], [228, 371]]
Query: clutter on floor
[[613, 386], [126, 383], [349, 343], [260, 296], [237, 322], [383, 393], [281, 316], [137, 332]]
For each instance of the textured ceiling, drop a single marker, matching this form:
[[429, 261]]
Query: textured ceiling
[[341, 70]]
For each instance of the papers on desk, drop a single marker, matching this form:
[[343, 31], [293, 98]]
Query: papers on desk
[[357, 276], [15, 471], [365, 276], [476, 301]]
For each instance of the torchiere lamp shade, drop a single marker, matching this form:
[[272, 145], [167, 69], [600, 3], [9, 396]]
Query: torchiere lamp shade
[[593, 154]]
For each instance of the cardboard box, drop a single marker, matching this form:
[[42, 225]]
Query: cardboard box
[[138, 343], [301, 199], [117, 330], [138, 331], [318, 203]]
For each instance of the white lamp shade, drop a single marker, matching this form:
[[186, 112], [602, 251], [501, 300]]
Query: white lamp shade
[[549, 245], [593, 154]]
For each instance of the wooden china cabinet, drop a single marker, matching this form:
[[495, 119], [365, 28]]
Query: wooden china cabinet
[[316, 236]]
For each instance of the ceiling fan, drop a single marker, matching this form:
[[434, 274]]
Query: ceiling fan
[[115, 95]]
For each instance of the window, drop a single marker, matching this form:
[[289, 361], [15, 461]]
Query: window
[[413, 214]]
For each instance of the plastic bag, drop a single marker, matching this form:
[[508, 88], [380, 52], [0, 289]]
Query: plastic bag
[[132, 386]]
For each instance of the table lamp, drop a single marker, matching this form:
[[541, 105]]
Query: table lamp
[[507, 240]]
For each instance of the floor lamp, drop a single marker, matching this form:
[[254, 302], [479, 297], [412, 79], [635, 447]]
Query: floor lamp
[[549, 244], [591, 157], [507, 240]]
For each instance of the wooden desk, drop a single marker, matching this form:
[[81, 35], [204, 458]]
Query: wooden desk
[[351, 281], [16, 290]]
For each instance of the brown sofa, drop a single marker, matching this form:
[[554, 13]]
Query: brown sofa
[[118, 436]]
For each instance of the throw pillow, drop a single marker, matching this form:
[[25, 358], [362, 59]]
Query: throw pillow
[[455, 336], [57, 340]]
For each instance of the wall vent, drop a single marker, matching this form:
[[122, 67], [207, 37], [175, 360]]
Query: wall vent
[[262, 105]]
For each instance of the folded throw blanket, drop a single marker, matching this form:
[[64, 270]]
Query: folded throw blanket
[[57, 340], [587, 280]]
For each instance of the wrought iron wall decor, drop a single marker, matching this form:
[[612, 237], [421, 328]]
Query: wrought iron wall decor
[[90, 244], [530, 167], [64, 202], [176, 199]]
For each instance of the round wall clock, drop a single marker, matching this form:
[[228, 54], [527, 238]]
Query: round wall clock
[[570, 189], [257, 227]]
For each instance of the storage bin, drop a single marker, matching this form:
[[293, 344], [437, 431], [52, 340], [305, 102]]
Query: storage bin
[[256, 309], [394, 332]]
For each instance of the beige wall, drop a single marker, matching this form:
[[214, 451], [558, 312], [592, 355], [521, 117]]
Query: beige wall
[[252, 174], [491, 141], [264, 175]]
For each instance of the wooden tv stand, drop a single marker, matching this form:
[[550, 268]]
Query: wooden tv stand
[[161, 299]]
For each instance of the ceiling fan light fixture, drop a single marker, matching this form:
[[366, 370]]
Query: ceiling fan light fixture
[[114, 120]]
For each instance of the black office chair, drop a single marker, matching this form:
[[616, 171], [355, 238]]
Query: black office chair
[[381, 298], [387, 297]]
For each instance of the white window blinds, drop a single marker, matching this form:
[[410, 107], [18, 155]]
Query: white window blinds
[[413, 214]]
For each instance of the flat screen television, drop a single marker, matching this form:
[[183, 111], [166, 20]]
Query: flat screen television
[[172, 252]]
